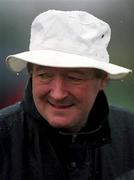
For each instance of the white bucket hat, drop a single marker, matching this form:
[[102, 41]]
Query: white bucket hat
[[70, 39]]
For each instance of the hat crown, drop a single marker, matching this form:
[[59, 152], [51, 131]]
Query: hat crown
[[74, 32]]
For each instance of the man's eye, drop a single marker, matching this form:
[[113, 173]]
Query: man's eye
[[45, 76], [74, 79], [77, 78]]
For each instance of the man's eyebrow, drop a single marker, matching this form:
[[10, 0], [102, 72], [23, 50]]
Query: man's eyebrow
[[39, 67], [77, 71]]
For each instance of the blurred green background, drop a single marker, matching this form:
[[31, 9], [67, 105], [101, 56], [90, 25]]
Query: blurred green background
[[15, 21]]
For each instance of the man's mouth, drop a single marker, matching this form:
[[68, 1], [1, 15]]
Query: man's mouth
[[60, 105]]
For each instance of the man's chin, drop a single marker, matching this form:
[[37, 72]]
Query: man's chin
[[60, 122]]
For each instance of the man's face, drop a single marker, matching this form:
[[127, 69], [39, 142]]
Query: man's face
[[65, 96]]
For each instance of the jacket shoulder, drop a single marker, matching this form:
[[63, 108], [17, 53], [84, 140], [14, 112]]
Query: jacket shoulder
[[118, 156], [9, 115], [121, 115], [121, 120], [122, 130], [10, 110]]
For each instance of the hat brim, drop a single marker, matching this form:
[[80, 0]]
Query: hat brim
[[52, 58]]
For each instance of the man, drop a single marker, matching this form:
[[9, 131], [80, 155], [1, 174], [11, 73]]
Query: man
[[64, 128]]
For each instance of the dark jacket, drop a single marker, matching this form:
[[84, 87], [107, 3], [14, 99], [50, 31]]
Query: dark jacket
[[32, 150]]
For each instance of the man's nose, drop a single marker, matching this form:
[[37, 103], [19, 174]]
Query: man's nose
[[58, 89]]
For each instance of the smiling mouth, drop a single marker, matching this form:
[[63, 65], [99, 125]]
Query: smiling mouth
[[60, 106]]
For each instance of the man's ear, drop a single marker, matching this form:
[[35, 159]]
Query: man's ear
[[103, 81]]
